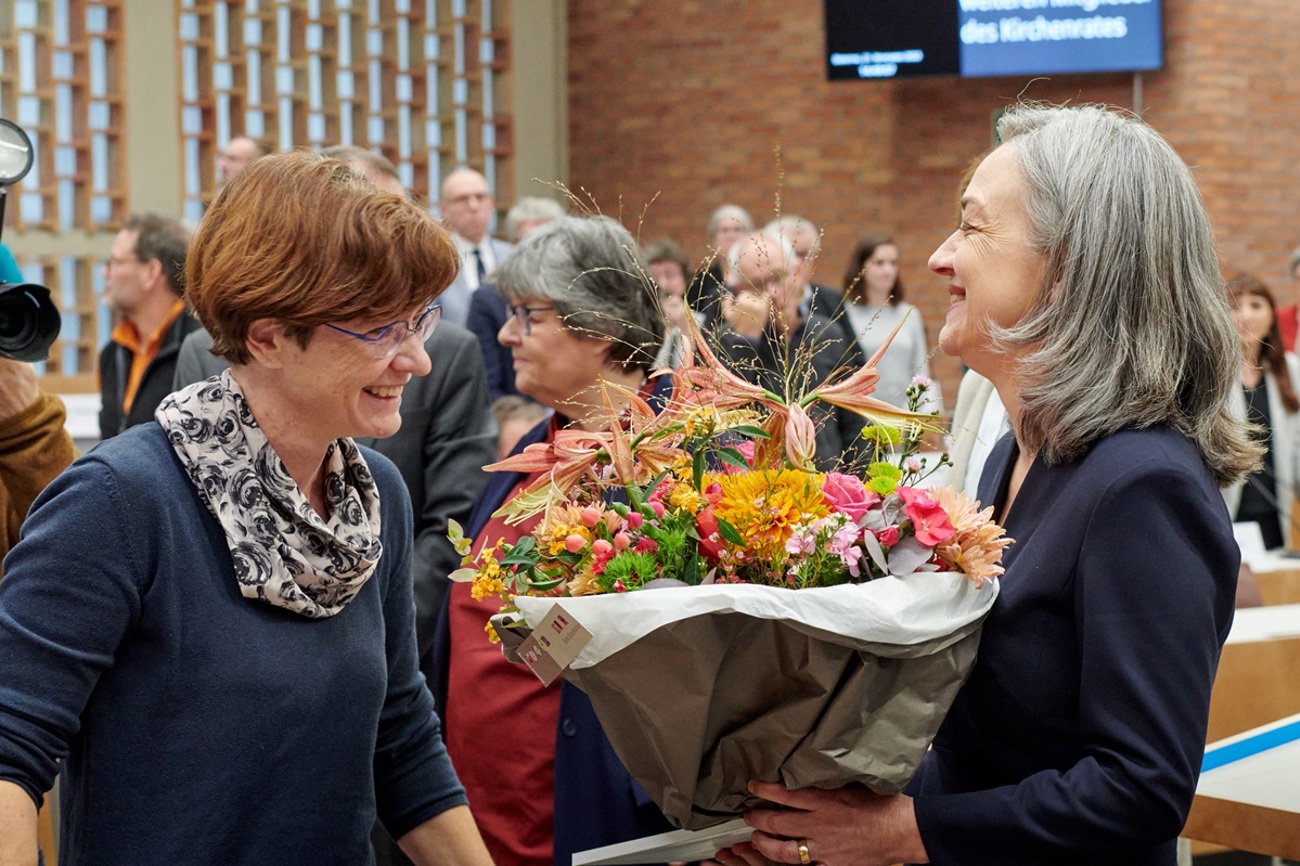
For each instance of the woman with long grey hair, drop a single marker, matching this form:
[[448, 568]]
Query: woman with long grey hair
[[580, 316], [1084, 283]]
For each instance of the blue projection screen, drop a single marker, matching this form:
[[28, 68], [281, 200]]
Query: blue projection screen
[[978, 38]]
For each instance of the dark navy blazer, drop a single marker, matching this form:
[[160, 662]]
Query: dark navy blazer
[[1079, 736]]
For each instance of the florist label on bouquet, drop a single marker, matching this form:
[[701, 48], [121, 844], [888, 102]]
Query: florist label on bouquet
[[553, 645]]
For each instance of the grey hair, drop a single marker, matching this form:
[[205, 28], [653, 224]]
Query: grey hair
[[1294, 262], [730, 211], [590, 269], [738, 248], [531, 208], [1132, 326], [790, 222]]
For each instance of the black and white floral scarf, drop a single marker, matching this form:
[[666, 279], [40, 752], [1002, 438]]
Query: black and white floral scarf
[[284, 553]]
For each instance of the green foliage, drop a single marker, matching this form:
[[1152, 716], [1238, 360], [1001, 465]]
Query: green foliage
[[633, 569]]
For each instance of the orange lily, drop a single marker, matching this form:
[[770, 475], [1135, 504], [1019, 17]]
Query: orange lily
[[564, 461], [852, 393]]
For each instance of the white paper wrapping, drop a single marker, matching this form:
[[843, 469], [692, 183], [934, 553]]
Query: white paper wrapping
[[890, 610]]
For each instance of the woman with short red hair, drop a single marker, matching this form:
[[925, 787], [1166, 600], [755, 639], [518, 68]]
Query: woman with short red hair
[[209, 617]]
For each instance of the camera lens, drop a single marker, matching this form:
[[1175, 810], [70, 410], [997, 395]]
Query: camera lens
[[14, 323], [29, 322]]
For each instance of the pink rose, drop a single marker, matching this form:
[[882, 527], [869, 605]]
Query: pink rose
[[888, 536], [848, 495]]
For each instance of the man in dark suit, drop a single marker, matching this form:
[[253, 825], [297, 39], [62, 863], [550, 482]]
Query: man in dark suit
[[466, 207]]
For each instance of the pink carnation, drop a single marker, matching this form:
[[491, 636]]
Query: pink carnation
[[930, 522]]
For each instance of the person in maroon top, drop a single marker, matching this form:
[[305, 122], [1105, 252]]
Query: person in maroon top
[[542, 779]]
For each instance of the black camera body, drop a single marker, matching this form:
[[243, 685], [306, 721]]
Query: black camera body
[[29, 319]]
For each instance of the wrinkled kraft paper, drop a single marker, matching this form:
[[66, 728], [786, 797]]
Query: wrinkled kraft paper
[[699, 707]]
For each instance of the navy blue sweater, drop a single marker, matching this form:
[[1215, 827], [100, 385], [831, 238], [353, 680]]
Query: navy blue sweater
[[198, 726]]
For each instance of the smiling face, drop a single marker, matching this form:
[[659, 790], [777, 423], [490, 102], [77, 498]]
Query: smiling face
[[337, 388], [553, 364], [994, 271]]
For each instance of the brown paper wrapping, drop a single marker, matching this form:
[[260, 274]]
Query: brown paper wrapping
[[699, 707]]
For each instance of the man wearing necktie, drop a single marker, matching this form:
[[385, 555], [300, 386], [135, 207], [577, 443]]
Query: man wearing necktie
[[467, 206]]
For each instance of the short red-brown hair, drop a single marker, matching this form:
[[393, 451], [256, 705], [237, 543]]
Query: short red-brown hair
[[305, 240]]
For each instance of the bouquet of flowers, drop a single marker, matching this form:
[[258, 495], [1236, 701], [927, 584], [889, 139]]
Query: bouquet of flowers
[[713, 503]]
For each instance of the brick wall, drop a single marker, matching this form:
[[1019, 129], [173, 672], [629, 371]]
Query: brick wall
[[684, 102]]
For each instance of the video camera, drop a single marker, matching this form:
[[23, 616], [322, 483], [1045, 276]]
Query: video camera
[[29, 319]]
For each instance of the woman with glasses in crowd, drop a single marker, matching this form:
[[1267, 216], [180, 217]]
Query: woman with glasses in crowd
[[209, 618], [543, 779]]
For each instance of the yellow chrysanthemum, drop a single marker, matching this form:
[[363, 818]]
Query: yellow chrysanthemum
[[977, 542], [764, 507], [493, 637]]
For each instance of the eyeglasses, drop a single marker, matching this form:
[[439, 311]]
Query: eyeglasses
[[523, 315], [113, 262], [385, 341]]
